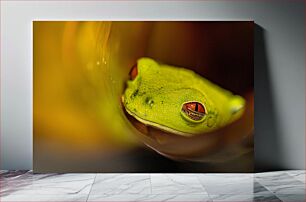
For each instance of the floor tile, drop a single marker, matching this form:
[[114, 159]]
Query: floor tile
[[47, 184], [42, 198], [291, 197], [276, 175], [176, 184], [150, 198], [121, 184], [232, 198], [287, 186], [12, 181], [298, 175], [282, 184], [115, 198], [261, 193], [260, 189], [269, 197], [178, 198], [227, 184]]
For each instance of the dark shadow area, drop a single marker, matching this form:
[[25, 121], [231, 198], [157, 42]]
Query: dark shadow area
[[150, 161], [145, 160], [267, 145]]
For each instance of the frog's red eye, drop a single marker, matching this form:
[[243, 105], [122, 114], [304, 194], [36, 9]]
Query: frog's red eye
[[194, 110], [134, 72], [195, 106]]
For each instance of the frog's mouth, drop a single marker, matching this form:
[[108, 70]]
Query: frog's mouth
[[143, 125]]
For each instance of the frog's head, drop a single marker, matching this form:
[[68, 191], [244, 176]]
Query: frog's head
[[173, 99]]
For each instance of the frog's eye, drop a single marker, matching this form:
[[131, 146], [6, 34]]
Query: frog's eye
[[134, 72], [193, 110]]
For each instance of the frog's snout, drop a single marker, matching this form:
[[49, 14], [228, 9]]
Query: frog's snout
[[237, 106]]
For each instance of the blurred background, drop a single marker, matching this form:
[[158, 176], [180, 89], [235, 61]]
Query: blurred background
[[80, 68]]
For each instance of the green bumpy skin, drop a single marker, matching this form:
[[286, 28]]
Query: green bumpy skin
[[157, 94]]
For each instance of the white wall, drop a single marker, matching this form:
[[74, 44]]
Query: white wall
[[279, 67]]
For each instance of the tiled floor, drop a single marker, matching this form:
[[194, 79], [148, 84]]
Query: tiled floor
[[271, 186]]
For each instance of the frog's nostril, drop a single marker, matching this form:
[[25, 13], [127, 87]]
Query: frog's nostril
[[149, 101], [134, 72]]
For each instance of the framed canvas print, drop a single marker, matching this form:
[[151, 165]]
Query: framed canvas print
[[143, 96]]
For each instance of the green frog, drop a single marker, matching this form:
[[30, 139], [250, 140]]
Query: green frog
[[177, 100]]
